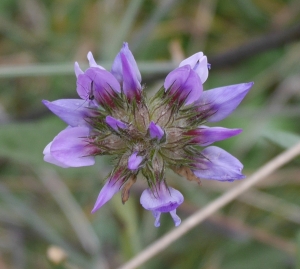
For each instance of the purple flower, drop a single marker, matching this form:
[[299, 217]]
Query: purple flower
[[98, 84], [126, 71], [71, 148], [198, 62], [215, 105], [113, 117], [115, 124], [183, 85], [205, 136], [155, 131], [162, 199], [216, 163], [134, 161]]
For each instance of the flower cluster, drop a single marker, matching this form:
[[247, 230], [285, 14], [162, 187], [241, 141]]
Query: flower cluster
[[114, 117]]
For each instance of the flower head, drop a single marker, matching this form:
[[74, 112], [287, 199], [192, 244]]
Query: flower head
[[114, 117]]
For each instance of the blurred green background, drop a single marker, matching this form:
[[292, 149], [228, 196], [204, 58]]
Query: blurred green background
[[45, 210]]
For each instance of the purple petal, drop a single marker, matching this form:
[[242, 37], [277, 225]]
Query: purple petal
[[176, 78], [103, 80], [131, 85], [176, 219], [117, 67], [72, 111], [194, 85], [156, 215], [162, 199], [50, 159], [184, 84], [111, 187], [97, 83], [134, 161], [70, 147], [216, 104], [105, 85], [84, 86], [92, 61], [115, 124], [218, 164], [198, 63], [205, 136], [155, 131], [77, 69]]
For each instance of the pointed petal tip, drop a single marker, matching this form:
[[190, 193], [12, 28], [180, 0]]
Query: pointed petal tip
[[238, 131], [91, 59], [89, 55], [248, 85], [77, 69], [94, 210]]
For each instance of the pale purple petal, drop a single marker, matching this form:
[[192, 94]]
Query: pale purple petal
[[72, 111], [162, 199], [155, 131], [70, 147], [176, 219], [192, 60], [134, 161], [198, 63], [216, 104], [111, 187], [115, 124], [202, 69], [103, 80], [92, 61], [104, 86], [50, 159], [218, 164], [84, 86], [131, 85], [156, 215], [117, 67], [176, 78], [184, 84], [99, 84], [77, 69], [193, 84], [205, 136]]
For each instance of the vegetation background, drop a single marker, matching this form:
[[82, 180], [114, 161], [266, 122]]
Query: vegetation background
[[45, 210]]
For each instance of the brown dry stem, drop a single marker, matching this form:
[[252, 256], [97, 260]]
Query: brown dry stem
[[126, 188], [187, 173]]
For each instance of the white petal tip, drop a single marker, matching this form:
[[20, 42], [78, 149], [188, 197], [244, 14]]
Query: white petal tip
[[77, 69]]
